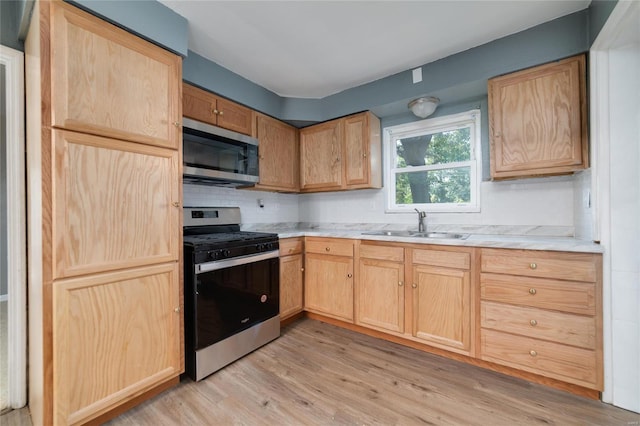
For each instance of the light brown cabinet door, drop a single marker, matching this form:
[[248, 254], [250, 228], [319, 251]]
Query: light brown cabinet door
[[321, 156], [116, 204], [198, 104], [538, 122], [328, 285], [291, 286], [380, 295], [279, 154], [233, 116], [115, 335], [356, 142], [442, 306], [108, 82]]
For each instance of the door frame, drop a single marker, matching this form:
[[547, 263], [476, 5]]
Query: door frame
[[13, 60], [601, 124]]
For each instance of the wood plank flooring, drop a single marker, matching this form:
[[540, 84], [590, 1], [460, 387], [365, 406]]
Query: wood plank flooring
[[319, 374]]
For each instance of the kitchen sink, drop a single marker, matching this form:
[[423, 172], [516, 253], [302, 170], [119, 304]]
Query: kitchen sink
[[438, 235], [391, 233], [441, 235]]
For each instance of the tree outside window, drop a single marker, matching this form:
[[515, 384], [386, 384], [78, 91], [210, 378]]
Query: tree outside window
[[434, 164]]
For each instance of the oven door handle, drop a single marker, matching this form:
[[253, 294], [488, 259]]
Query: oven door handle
[[236, 261]]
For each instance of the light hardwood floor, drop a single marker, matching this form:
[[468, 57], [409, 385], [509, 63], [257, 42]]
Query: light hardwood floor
[[319, 374]]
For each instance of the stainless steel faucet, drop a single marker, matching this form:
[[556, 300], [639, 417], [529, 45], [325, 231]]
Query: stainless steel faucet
[[421, 217]]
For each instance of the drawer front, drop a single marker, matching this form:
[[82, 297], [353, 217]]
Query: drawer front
[[574, 330], [574, 297], [334, 247], [574, 365], [290, 246], [393, 254], [562, 266], [446, 259]]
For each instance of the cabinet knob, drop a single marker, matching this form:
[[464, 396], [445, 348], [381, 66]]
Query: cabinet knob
[[301, 269], [364, 155], [327, 248], [175, 204], [176, 310], [498, 134], [414, 285], [533, 322], [349, 275], [533, 353], [215, 111], [291, 249], [400, 283], [175, 123], [533, 266], [221, 113], [532, 291], [338, 160]]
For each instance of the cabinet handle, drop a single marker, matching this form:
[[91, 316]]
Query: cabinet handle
[[400, 283], [349, 275], [175, 204], [532, 291], [215, 111], [414, 285], [533, 266], [176, 310], [221, 113], [301, 269], [327, 249], [533, 353], [533, 323]]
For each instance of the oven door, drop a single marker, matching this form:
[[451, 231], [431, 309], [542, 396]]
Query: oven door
[[235, 294]]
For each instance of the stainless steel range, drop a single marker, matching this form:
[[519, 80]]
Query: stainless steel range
[[231, 289]]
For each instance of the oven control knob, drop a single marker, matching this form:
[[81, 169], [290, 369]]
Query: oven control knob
[[211, 255], [270, 246], [260, 247], [226, 253]]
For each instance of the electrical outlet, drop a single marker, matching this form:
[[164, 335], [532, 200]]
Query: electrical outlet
[[586, 199], [417, 75]]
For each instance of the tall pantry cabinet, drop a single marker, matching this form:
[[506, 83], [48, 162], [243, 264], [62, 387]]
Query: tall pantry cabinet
[[104, 182]]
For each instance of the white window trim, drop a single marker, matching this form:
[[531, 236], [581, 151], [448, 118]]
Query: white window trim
[[434, 125]]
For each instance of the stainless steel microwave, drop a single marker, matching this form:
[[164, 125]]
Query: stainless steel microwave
[[216, 156]]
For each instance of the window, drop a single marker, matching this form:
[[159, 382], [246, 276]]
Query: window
[[434, 164]]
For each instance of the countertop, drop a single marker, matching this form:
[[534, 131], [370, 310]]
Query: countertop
[[528, 242]]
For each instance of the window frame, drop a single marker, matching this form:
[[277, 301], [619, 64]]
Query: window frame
[[391, 134]]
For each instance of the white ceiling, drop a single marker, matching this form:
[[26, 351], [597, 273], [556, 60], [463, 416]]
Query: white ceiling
[[312, 49]]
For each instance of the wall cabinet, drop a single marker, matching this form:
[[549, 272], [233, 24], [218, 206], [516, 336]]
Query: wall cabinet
[[341, 154], [279, 155], [291, 277], [542, 312], [380, 288], [538, 120], [104, 193], [329, 277], [442, 300], [204, 106]]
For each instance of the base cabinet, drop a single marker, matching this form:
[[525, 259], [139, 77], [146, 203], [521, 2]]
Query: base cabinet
[[379, 292], [542, 312], [441, 293], [291, 277], [329, 277]]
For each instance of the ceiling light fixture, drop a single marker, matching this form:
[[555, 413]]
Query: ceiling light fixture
[[424, 107]]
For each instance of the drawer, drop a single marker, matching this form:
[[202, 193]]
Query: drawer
[[447, 259], [336, 247], [562, 266], [574, 365], [566, 296], [394, 254], [289, 246], [568, 329]]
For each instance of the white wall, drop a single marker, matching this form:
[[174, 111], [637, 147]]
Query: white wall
[[277, 207], [527, 202], [624, 86]]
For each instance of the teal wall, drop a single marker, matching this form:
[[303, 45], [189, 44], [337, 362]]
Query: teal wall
[[10, 13], [599, 11]]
